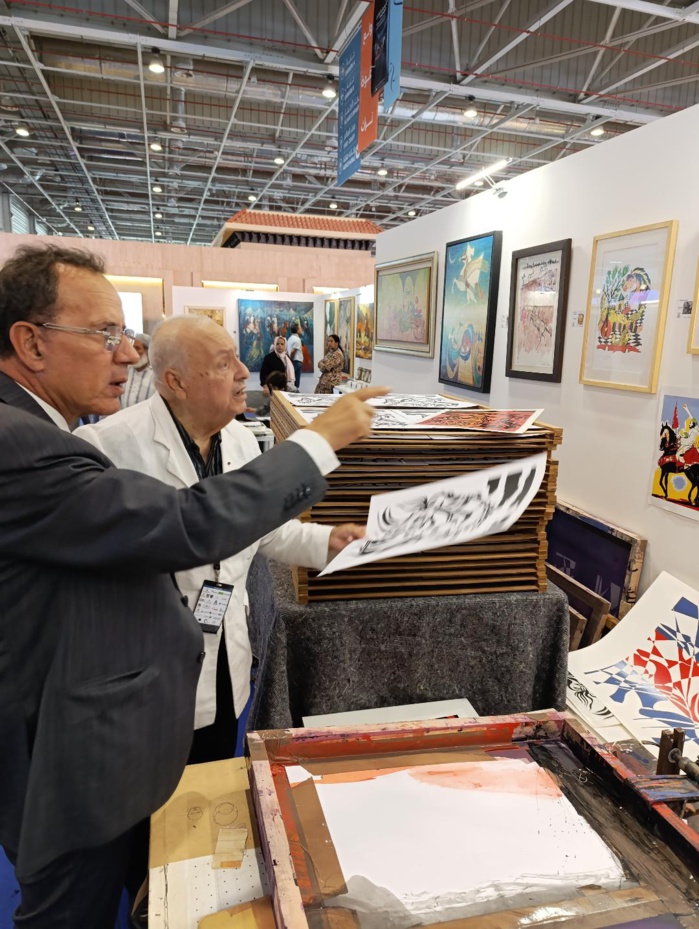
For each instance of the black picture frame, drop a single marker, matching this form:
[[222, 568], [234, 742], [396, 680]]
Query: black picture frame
[[469, 311], [542, 324]]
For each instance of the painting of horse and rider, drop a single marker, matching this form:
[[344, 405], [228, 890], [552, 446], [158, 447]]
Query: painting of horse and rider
[[676, 472]]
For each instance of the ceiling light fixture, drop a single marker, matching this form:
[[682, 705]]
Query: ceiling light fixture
[[382, 172], [478, 183], [77, 208], [492, 169], [333, 205], [279, 160], [158, 215], [157, 189], [329, 91], [155, 65], [252, 198], [90, 228], [471, 112], [158, 232], [156, 147], [597, 131], [22, 131], [412, 212]]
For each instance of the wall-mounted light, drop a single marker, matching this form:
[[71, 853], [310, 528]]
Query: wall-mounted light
[[155, 63], [492, 169]]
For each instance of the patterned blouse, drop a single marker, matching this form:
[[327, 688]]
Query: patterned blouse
[[331, 366]]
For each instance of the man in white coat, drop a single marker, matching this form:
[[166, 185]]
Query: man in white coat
[[187, 432]]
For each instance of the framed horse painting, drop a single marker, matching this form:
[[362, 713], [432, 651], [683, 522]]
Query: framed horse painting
[[675, 484], [471, 279]]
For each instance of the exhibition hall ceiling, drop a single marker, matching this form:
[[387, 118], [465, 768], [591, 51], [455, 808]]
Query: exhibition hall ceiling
[[237, 117]]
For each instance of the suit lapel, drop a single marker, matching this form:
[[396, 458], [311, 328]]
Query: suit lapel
[[165, 434], [14, 395]]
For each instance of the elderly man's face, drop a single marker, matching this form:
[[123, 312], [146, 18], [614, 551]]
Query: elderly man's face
[[215, 377], [80, 374], [139, 348]]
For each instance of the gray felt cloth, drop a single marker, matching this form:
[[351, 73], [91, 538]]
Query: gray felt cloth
[[506, 653]]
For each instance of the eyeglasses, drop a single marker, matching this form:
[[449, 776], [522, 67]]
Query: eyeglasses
[[112, 335]]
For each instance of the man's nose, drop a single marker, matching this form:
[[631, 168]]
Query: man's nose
[[126, 354]]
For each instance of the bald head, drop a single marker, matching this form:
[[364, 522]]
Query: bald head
[[198, 372]]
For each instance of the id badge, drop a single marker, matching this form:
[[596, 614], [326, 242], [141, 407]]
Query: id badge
[[212, 604]]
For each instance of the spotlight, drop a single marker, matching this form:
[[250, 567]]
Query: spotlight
[[382, 172], [158, 232], [155, 65], [22, 131], [499, 192], [77, 208], [471, 112], [90, 228], [329, 91], [252, 198], [157, 189], [156, 147], [333, 205], [279, 160], [412, 212], [597, 132], [158, 215]]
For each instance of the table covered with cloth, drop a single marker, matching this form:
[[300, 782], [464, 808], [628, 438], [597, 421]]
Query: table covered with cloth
[[506, 653]]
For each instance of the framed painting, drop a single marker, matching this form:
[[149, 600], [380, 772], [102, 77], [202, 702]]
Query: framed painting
[[538, 301], [693, 340], [345, 329], [405, 298], [627, 307], [471, 280], [261, 321], [216, 313], [675, 485], [607, 559], [364, 331]]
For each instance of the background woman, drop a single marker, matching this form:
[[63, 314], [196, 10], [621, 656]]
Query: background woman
[[331, 366]]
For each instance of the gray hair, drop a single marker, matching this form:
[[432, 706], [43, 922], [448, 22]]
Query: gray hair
[[168, 348]]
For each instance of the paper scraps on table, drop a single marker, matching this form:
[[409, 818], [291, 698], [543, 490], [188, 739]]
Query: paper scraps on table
[[448, 512], [230, 846]]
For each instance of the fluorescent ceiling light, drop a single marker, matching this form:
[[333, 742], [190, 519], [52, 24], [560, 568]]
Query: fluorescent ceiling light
[[493, 169]]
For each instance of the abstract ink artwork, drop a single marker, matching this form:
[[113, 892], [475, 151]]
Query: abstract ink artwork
[[538, 299], [513, 422], [261, 321], [471, 279], [448, 512], [675, 485], [405, 305], [646, 669], [627, 306]]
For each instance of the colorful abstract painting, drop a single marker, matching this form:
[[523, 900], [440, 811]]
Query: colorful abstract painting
[[646, 669], [261, 321], [405, 305], [675, 484], [471, 276], [506, 421], [364, 329]]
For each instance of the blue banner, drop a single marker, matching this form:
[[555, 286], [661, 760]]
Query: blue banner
[[348, 161], [391, 89]]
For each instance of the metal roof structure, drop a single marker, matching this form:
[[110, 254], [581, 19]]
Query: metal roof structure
[[236, 117]]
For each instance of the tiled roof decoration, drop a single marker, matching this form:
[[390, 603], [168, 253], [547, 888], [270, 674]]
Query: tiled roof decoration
[[307, 222]]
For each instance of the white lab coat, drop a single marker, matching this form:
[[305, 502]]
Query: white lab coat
[[144, 438]]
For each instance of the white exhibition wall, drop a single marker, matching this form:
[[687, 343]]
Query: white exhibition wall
[[227, 299], [610, 441]]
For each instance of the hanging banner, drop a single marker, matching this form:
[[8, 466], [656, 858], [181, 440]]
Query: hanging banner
[[348, 160], [368, 103], [379, 46], [391, 90]]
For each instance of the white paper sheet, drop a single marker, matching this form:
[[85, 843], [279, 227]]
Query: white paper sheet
[[432, 402], [447, 512], [383, 418], [456, 835], [646, 670]]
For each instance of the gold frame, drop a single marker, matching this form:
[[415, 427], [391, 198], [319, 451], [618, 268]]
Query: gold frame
[[693, 337], [663, 298], [348, 350], [429, 260]]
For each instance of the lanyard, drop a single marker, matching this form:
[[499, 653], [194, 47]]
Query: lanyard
[[217, 571]]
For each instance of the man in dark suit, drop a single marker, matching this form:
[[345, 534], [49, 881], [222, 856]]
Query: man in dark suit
[[99, 656]]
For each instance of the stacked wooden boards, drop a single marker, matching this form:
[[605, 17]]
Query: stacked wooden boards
[[386, 461]]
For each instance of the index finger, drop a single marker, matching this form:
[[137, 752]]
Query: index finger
[[366, 393]]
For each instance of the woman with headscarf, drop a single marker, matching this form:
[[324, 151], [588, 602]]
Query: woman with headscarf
[[278, 360], [331, 366]]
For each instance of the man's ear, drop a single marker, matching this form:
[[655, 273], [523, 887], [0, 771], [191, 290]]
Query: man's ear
[[27, 343], [174, 382]]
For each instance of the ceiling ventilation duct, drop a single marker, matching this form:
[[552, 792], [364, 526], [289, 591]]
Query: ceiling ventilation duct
[[177, 119]]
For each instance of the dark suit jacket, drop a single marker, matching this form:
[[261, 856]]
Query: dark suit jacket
[[99, 658]]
